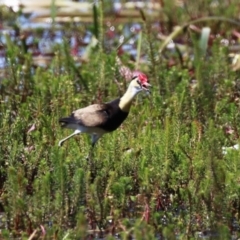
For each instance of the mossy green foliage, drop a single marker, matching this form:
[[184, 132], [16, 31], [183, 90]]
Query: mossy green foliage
[[161, 173]]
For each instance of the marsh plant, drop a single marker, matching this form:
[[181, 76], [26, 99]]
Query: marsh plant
[[162, 174]]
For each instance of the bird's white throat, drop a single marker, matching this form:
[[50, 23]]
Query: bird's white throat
[[127, 98]]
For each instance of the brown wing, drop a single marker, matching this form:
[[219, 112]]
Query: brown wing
[[91, 116]]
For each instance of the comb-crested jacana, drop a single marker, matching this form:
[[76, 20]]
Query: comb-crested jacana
[[98, 119]]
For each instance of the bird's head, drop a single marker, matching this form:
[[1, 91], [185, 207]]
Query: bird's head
[[140, 82]]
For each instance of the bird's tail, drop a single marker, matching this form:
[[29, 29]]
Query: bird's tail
[[67, 121]]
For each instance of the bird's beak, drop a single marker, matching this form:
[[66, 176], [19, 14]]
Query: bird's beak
[[146, 86]]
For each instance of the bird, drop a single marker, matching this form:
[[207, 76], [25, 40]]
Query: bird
[[98, 119]]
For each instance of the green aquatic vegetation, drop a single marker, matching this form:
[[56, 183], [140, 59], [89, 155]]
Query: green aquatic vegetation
[[161, 173]]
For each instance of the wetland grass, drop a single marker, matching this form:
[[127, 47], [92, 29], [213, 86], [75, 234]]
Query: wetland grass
[[162, 175]]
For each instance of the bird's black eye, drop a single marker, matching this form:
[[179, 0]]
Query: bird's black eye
[[138, 81]]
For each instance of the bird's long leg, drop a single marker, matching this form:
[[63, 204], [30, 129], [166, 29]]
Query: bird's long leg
[[94, 138], [90, 153], [77, 131], [92, 167]]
